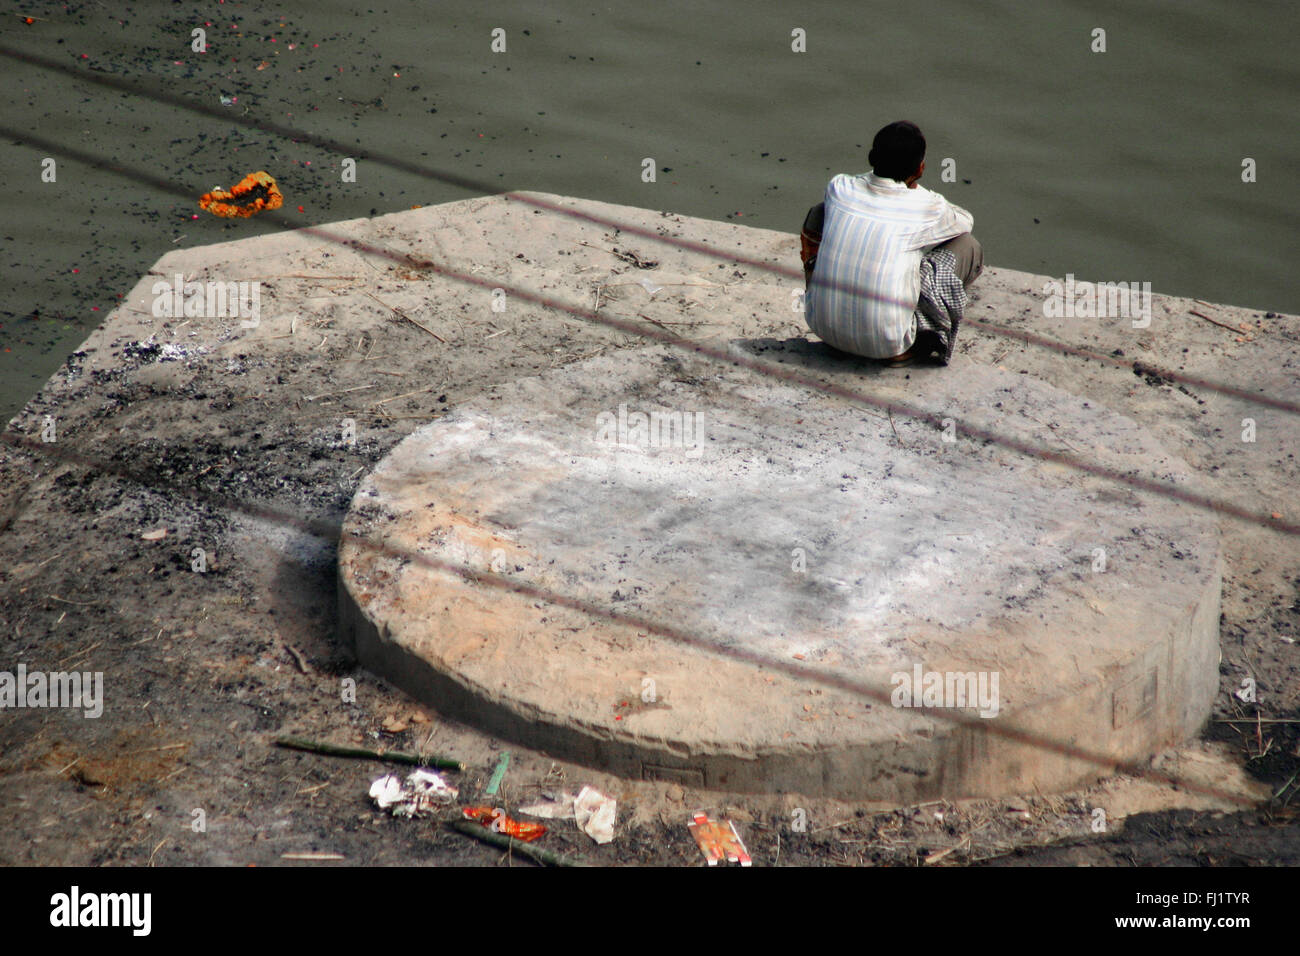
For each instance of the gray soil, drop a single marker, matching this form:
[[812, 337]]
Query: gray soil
[[230, 439]]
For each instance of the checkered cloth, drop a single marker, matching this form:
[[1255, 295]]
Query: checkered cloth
[[943, 300]]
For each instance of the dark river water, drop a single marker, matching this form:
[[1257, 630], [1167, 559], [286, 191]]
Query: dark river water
[[1122, 164]]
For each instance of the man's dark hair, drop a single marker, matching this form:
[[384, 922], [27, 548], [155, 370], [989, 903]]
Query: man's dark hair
[[897, 151]]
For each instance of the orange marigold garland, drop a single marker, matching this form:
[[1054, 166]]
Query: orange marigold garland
[[252, 194]]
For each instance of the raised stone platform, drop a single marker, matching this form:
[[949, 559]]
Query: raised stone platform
[[799, 549]]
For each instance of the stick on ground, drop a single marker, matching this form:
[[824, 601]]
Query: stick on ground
[[403, 315], [393, 756], [480, 832]]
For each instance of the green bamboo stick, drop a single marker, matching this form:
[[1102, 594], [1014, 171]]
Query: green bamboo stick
[[393, 756], [480, 832]]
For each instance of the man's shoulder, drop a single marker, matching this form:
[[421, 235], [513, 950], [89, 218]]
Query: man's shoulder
[[930, 196], [864, 186], [843, 183]]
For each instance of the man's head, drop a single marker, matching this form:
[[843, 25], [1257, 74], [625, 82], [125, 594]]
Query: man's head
[[897, 152]]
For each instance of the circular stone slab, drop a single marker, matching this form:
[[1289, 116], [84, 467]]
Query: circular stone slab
[[753, 575]]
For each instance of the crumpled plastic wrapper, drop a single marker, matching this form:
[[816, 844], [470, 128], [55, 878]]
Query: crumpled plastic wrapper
[[718, 840], [558, 808], [420, 794]]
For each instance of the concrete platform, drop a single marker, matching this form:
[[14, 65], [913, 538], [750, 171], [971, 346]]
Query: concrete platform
[[810, 558]]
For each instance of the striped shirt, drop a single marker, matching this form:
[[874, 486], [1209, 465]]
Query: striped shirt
[[867, 279]]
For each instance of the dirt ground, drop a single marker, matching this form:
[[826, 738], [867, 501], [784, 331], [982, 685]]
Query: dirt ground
[[230, 439]]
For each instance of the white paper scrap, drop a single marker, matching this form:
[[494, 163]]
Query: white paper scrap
[[595, 814]]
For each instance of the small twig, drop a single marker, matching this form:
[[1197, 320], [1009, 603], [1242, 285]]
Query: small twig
[[150, 750], [1052, 429], [302, 275], [584, 355], [393, 756], [81, 653], [312, 856], [356, 388], [661, 325], [692, 324], [55, 597], [664, 285], [393, 398], [297, 658], [156, 849], [599, 249], [831, 826], [403, 315], [1222, 325], [631, 258], [943, 854]]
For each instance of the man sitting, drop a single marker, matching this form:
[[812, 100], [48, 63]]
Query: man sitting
[[887, 261]]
